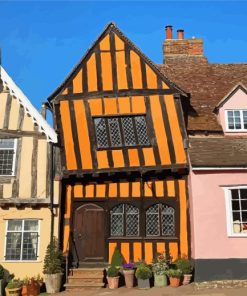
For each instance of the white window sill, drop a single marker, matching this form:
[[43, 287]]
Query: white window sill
[[237, 235], [21, 261]]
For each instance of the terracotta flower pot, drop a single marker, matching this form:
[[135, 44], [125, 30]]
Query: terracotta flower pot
[[174, 282], [113, 282], [187, 279], [32, 289], [129, 278]]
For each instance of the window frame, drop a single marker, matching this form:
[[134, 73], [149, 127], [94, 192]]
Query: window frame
[[22, 232], [241, 121], [14, 157], [123, 146], [143, 206], [228, 204], [125, 221]]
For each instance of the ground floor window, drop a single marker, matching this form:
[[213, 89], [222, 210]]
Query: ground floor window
[[236, 205], [22, 238], [158, 220]]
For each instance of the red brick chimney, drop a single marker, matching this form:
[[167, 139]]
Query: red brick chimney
[[182, 49], [180, 34], [168, 32]]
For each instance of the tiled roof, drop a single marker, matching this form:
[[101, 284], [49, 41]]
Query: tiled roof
[[15, 91], [207, 84], [218, 152]]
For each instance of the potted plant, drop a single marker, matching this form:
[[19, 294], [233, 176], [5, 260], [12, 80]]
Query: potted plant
[[2, 280], [159, 268], [13, 288], [174, 277], [185, 265], [112, 277], [129, 271], [30, 287], [143, 274], [53, 267]]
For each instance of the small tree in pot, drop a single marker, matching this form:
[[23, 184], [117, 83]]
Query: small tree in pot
[[112, 277], [185, 265], [53, 267], [143, 274]]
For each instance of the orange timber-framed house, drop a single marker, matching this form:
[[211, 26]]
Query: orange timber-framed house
[[123, 154]]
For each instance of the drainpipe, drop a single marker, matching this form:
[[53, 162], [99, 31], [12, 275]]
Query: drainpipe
[[51, 148]]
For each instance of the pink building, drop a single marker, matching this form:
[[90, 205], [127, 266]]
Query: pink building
[[216, 118]]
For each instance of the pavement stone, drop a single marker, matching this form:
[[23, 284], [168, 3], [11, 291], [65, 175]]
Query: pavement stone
[[188, 290]]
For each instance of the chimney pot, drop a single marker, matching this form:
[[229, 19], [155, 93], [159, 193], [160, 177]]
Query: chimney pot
[[180, 33], [168, 32]]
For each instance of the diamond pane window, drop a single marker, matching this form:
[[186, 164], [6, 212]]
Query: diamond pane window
[[128, 130], [236, 120], [22, 240], [101, 134], [121, 131], [114, 130], [141, 128], [168, 221], [124, 220], [152, 221], [160, 220], [7, 156]]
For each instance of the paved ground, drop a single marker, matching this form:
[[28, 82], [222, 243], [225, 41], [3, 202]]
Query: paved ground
[[167, 291]]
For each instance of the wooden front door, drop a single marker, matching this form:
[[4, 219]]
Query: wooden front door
[[89, 233]]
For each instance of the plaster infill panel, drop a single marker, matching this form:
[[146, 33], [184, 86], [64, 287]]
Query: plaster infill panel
[[209, 224]]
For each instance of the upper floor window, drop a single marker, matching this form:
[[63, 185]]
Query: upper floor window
[[236, 120], [22, 240], [121, 131], [236, 205], [7, 156]]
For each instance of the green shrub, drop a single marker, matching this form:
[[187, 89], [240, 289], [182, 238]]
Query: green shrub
[[53, 258], [184, 265], [143, 272], [112, 271], [117, 259], [174, 273], [1, 272], [14, 284]]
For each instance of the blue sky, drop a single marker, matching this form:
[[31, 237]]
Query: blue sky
[[42, 41]]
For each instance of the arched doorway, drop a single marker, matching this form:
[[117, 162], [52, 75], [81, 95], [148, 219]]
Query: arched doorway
[[89, 233]]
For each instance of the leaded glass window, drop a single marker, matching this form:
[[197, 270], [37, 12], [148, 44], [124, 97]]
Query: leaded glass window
[[101, 134], [160, 221], [141, 129], [124, 220], [121, 131], [22, 240], [7, 156]]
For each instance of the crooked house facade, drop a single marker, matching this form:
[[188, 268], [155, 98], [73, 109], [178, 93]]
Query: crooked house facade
[[124, 163]]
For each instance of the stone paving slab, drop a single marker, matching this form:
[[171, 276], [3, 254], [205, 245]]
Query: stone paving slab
[[167, 291]]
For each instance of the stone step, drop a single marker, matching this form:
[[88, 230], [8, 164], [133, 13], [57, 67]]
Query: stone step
[[87, 272], [76, 280], [70, 287]]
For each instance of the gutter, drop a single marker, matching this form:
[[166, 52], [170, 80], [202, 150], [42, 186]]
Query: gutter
[[218, 168]]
